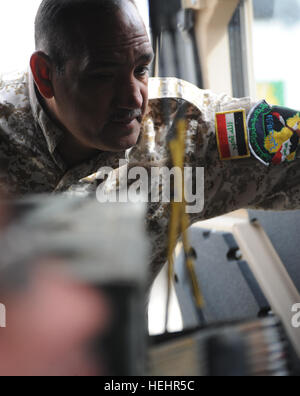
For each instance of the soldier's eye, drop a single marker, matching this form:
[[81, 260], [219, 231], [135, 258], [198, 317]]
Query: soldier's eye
[[142, 71]]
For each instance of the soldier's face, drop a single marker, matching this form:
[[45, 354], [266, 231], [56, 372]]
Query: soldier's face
[[102, 96]]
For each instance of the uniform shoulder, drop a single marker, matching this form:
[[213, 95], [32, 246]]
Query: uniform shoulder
[[16, 120], [171, 87], [13, 92], [175, 88]]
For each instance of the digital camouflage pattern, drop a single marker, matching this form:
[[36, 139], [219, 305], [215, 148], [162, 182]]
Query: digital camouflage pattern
[[30, 163]]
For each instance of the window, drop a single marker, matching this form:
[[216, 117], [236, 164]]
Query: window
[[239, 55], [276, 32]]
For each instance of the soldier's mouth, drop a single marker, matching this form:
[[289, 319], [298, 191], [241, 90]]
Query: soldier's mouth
[[124, 121], [127, 118]]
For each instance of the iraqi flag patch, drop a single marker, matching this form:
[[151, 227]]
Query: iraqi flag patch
[[232, 135]]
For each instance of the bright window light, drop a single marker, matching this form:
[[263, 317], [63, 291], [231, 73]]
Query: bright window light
[[16, 33]]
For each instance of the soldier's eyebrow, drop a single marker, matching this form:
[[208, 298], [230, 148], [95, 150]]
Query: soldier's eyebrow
[[146, 57], [93, 65], [114, 64], [103, 64]]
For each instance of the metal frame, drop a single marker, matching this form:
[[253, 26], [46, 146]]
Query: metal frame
[[265, 264], [270, 273]]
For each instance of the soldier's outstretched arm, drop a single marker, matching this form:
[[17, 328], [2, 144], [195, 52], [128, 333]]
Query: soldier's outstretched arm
[[249, 150]]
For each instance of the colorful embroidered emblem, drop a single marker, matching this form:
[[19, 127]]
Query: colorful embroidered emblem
[[274, 133], [232, 136]]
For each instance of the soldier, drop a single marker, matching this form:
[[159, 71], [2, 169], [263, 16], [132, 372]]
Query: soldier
[[84, 105]]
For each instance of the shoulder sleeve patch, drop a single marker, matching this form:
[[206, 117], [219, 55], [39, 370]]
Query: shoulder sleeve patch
[[232, 135], [274, 133]]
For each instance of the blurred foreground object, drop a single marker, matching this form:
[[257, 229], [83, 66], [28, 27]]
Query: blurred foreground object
[[50, 323], [73, 279], [97, 256]]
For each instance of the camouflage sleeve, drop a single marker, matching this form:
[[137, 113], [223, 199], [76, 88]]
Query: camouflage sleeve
[[256, 180]]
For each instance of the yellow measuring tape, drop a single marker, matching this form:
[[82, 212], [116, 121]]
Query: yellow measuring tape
[[179, 220]]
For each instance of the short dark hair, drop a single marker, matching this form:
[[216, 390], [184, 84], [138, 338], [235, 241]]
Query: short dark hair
[[56, 31]]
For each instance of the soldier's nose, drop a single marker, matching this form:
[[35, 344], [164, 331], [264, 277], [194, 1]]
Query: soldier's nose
[[130, 96]]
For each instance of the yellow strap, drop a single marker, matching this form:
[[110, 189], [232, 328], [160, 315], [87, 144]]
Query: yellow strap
[[190, 264], [179, 220]]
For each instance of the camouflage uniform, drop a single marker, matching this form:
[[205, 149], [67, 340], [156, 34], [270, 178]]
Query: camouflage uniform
[[31, 164]]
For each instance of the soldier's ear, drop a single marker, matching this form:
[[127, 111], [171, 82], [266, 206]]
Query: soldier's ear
[[41, 68]]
